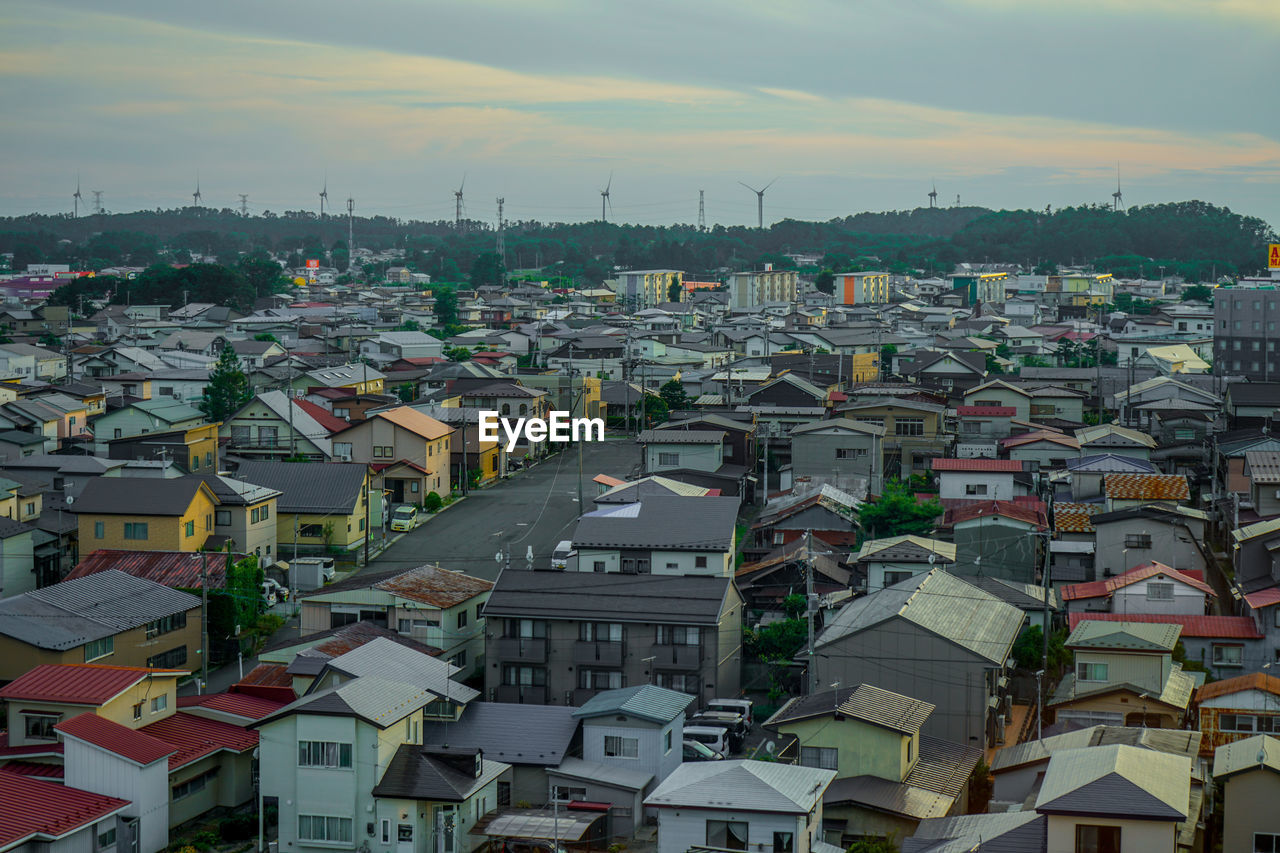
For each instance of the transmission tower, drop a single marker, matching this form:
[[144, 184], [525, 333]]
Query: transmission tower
[[351, 233], [97, 201], [702, 210], [244, 204], [502, 237]]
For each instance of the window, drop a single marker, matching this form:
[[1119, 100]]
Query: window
[[253, 516], [890, 578], [267, 436], [526, 629], [264, 512], [504, 794], [599, 679], [31, 508], [1159, 591], [566, 794], [323, 753], [678, 635], [975, 488], [1137, 540], [314, 531], [1091, 672], [784, 842], [222, 517], [727, 834], [1097, 839], [683, 682], [159, 703], [600, 632], [137, 711], [1266, 842], [99, 648], [323, 828], [598, 566], [107, 838], [1248, 724], [666, 741], [170, 659], [195, 462], [188, 529], [135, 530], [386, 831], [908, 426], [239, 436], [40, 726], [462, 618], [672, 459], [701, 563], [1228, 655], [524, 676], [822, 757], [99, 530], [848, 452], [621, 747], [460, 659]]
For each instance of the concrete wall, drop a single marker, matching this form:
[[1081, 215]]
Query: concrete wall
[[681, 829], [1249, 801], [1136, 836], [147, 788]]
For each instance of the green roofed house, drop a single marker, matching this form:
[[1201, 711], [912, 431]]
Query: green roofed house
[[145, 416], [1124, 675], [1248, 773]]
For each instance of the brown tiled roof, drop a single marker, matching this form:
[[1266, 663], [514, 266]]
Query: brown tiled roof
[[1147, 487], [1239, 684], [435, 586], [1074, 518]]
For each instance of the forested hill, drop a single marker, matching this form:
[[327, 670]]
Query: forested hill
[[1193, 238]]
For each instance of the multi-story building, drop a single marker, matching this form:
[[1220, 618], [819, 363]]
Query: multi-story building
[[646, 288], [862, 288], [1244, 328], [748, 289]]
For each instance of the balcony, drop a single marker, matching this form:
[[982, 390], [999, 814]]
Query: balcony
[[600, 654], [521, 694], [522, 649], [678, 657]]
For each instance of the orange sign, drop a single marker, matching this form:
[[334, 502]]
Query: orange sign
[[313, 263], [1273, 256]]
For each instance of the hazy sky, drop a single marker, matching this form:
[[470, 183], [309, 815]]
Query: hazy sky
[[852, 104]]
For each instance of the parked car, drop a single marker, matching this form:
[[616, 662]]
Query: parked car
[[404, 518], [733, 706], [563, 555], [737, 725], [270, 593], [698, 751], [715, 737]]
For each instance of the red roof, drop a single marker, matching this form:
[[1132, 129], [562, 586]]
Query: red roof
[[1208, 627], [322, 416], [1264, 597], [245, 705], [77, 684], [115, 738], [491, 354], [423, 360], [1103, 588], [993, 411], [975, 465], [1239, 684], [31, 808], [267, 675], [195, 737], [29, 749], [177, 569], [34, 768], [1008, 509]]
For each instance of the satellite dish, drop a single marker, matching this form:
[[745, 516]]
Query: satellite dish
[[70, 500], [770, 747], [497, 558]]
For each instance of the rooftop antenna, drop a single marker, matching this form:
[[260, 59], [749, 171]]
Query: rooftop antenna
[[97, 201], [759, 200], [75, 199], [324, 194], [457, 200], [933, 195], [195, 196], [702, 210], [244, 204], [604, 199], [1117, 198]]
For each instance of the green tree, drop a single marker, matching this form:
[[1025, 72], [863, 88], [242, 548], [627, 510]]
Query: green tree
[[656, 410], [405, 392], [457, 353], [673, 291], [896, 512], [446, 305], [487, 270], [1197, 293], [432, 502], [266, 337], [410, 325], [825, 281], [228, 388], [883, 844], [673, 394], [1028, 650]]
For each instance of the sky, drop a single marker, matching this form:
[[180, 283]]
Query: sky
[[847, 105]]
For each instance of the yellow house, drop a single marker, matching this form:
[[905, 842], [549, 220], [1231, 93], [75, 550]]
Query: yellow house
[[323, 506], [409, 451], [358, 378], [145, 514]]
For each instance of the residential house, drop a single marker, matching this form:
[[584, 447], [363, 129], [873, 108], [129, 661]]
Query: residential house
[[321, 508], [981, 479], [440, 608], [889, 777], [840, 450], [274, 426], [1172, 535], [245, 518], [756, 287], [951, 372], [913, 431], [1087, 472], [408, 451], [146, 514], [675, 450], [982, 833], [558, 639], [816, 509], [1223, 645], [773, 807], [1124, 674], [1044, 449], [885, 562], [183, 570], [766, 583], [1246, 771], [145, 416], [660, 535], [1237, 708], [359, 378], [1115, 439], [1151, 588], [46, 814], [631, 741], [1262, 467], [998, 539], [145, 624], [912, 639], [1256, 562], [1127, 490], [195, 449]]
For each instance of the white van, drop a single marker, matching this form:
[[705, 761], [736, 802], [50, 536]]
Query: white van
[[712, 736], [563, 555], [733, 706]]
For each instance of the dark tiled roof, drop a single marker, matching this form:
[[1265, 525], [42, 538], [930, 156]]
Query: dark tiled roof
[[667, 523], [137, 496], [672, 599], [515, 734], [309, 487]]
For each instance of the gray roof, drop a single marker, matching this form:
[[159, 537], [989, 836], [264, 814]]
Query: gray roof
[[669, 599], [660, 522], [237, 492], [1118, 780], [1127, 636], [517, 734], [864, 702], [646, 701], [137, 496], [940, 603], [1174, 741], [604, 774], [681, 436], [742, 786], [299, 419], [1004, 832], [377, 701], [415, 773], [1024, 596], [1251, 753], [385, 659], [72, 613], [308, 487]]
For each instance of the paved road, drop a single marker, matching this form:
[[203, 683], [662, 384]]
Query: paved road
[[536, 508]]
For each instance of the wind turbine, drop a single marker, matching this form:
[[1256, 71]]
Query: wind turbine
[[75, 199], [324, 194], [604, 199], [933, 195], [760, 200], [457, 198], [195, 196], [1117, 198]]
